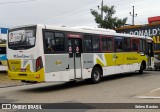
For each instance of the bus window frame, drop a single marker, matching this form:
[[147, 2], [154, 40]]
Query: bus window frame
[[84, 37], [130, 50], [115, 49], [93, 38], [133, 38], [54, 31], [34, 28], [113, 44]]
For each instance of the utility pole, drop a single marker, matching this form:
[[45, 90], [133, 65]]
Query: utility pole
[[101, 11], [133, 16]]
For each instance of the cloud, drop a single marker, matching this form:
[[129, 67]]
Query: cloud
[[71, 12]]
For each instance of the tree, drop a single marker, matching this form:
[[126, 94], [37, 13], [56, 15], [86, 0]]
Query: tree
[[109, 21], [2, 41]]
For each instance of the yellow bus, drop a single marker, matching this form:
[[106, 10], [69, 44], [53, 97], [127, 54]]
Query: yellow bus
[[3, 58], [45, 53]]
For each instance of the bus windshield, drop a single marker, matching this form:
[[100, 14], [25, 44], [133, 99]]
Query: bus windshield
[[20, 39]]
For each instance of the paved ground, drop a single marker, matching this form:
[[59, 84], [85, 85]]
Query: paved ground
[[123, 88], [5, 82]]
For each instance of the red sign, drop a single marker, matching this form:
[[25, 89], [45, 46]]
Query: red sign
[[77, 49], [70, 49], [74, 36]]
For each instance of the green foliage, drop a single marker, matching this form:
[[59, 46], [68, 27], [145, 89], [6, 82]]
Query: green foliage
[[2, 41], [108, 21]]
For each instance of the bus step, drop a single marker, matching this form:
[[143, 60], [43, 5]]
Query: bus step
[[77, 79]]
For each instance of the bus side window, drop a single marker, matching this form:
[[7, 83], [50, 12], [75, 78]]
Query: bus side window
[[88, 43], [135, 44], [104, 44], [110, 44], [107, 44], [59, 42], [127, 44], [96, 43], [49, 41], [118, 42]]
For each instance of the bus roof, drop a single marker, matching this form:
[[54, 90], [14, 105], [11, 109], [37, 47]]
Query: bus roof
[[83, 30]]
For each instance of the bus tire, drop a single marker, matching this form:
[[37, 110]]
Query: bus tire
[[96, 75], [141, 68]]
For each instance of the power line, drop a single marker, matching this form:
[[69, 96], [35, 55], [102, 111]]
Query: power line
[[73, 13], [2, 3]]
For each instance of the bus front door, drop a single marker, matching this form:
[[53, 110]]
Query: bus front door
[[150, 53], [75, 49]]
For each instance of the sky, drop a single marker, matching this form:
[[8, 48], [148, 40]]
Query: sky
[[71, 13]]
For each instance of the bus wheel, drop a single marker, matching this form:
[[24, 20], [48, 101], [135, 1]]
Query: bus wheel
[[96, 75], [141, 68]]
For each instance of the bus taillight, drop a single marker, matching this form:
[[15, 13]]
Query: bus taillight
[[39, 63]]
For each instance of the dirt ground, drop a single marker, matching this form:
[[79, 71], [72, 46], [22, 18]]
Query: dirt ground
[[5, 82]]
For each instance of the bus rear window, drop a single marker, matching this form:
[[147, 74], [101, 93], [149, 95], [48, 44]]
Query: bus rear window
[[20, 39]]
